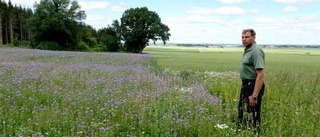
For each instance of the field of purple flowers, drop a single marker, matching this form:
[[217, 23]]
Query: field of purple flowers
[[50, 93]]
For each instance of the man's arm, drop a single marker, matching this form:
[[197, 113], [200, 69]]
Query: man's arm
[[258, 85], [259, 82]]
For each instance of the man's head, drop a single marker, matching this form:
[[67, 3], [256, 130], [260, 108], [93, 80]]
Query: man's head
[[248, 37]]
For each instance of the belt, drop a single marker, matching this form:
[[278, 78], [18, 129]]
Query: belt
[[248, 81]]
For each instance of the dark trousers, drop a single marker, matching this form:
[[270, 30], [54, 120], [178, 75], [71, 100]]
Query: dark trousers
[[248, 116]]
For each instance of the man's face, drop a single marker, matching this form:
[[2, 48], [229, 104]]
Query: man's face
[[247, 39]]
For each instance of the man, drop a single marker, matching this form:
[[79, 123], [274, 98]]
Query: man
[[252, 76]]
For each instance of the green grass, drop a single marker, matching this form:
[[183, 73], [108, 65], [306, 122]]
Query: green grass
[[228, 59], [193, 59]]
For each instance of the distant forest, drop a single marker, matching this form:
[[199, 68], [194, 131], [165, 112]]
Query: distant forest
[[13, 20]]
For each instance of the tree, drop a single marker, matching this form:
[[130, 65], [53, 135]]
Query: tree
[[2, 6], [138, 26], [54, 25], [87, 35], [12, 23], [109, 38], [21, 20], [5, 22], [1, 41], [28, 15], [11, 14]]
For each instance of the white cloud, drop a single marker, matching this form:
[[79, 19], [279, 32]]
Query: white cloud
[[118, 8], [264, 20], [232, 1], [204, 29], [291, 9], [197, 19], [121, 7], [96, 21], [293, 1], [230, 11], [267, 24], [301, 20], [254, 11], [287, 30], [93, 5], [95, 18], [199, 10]]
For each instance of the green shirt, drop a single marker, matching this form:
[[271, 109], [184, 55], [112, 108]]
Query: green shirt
[[252, 59]]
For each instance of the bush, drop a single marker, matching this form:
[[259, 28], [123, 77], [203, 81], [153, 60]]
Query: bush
[[16, 42], [49, 45], [83, 47], [24, 43], [99, 48]]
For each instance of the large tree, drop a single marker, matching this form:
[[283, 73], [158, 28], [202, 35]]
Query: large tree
[[138, 26], [54, 24], [109, 38]]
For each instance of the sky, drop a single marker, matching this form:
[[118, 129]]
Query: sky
[[217, 21]]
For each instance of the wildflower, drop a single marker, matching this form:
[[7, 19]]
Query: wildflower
[[221, 126]]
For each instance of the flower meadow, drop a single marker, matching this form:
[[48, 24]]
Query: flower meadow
[[168, 92], [59, 93]]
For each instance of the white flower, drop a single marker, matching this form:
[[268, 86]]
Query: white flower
[[221, 126]]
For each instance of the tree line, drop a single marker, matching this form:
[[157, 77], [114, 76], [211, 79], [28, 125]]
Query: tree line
[[13, 20], [58, 25]]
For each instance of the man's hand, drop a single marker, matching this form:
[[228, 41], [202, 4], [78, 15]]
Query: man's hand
[[252, 101]]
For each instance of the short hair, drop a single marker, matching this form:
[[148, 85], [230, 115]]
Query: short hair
[[253, 33]]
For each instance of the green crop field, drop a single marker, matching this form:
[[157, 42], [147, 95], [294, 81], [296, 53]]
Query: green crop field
[[291, 105], [228, 59], [171, 91]]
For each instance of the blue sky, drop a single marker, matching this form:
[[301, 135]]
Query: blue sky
[[218, 21]]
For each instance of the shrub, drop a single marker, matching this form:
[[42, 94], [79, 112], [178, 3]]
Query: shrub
[[83, 47], [49, 45]]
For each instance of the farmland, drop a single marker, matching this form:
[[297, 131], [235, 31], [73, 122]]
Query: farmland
[[291, 101], [170, 91]]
